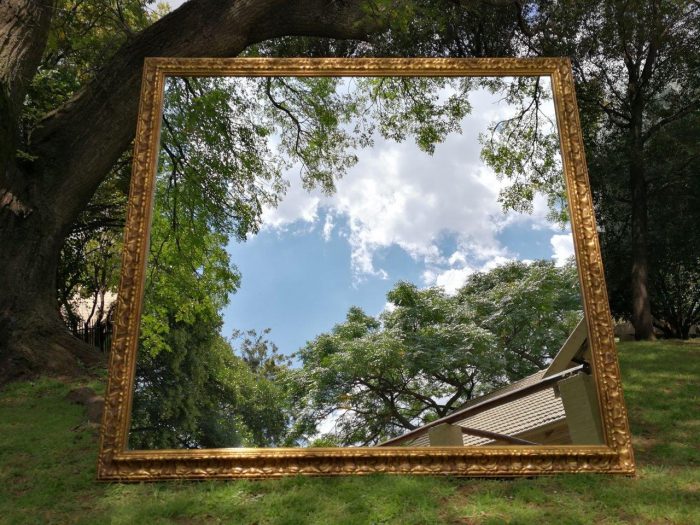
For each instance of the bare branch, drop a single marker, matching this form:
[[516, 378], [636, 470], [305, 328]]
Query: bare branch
[[685, 110]]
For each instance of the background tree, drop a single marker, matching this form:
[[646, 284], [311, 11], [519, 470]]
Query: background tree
[[266, 402], [197, 392], [261, 354], [68, 152], [181, 396], [530, 308], [371, 379], [636, 67], [674, 209]]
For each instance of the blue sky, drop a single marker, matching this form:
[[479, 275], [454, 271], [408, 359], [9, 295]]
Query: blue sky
[[399, 214], [308, 285]]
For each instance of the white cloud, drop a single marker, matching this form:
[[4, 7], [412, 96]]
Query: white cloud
[[563, 248], [498, 260], [399, 196], [389, 307], [457, 258], [429, 277], [328, 227], [296, 205], [453, 279]]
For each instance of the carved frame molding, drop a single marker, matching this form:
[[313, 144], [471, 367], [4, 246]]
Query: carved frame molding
[[116, 463]]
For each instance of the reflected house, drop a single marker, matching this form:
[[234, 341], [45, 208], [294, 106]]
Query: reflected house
[[555, 406]]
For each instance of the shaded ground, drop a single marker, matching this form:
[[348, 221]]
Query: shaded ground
[[48, 455]]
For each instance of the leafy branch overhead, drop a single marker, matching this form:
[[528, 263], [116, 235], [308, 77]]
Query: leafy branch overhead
[[524, 149]]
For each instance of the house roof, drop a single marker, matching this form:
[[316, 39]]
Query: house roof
[[511, 417], [570, 350], [514, 409], [524, 405]]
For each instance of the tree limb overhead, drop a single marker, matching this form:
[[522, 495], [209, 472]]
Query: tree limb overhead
[[80, 141]]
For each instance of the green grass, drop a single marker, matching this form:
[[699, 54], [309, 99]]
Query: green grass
[[48, 456]]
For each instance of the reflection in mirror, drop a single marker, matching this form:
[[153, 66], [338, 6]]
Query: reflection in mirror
[[361, 262]]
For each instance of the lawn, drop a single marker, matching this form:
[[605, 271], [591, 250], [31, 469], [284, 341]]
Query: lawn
[[48, 455]]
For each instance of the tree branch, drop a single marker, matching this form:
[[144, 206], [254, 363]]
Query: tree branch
[[280, 106], [79, 156], [682, 112]]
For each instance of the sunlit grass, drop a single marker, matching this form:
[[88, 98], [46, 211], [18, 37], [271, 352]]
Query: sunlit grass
[[48, 456]]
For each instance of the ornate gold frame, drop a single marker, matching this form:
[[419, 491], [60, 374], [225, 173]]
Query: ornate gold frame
[[115, 462]]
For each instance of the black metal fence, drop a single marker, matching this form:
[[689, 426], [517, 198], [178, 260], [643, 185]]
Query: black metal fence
[[96, 334]]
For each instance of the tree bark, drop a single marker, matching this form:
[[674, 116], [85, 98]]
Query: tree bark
[[638, 84], [641, 307], [29, 253], [74, 147], [24, 26]]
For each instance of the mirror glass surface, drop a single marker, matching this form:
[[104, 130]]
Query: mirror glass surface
[[343, 262]]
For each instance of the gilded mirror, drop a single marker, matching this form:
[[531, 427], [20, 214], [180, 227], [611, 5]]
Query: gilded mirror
[[338, 266]]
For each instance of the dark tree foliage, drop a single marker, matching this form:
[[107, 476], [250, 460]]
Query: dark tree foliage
[[637, 73], [198, 393], [180, 400], [674, 235]]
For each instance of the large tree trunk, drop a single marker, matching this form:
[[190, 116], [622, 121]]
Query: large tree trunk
[[33, 337], [75, 146], [638, 82], [31, 333]]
